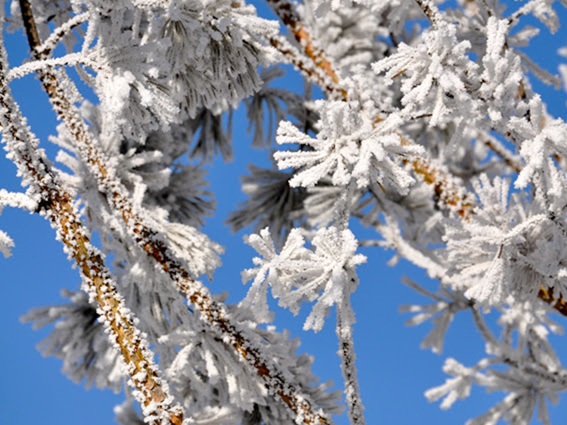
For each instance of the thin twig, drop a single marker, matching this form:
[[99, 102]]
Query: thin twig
[[447, 193], [347, 354], [286, 12], [510, 160], [56, 36], [71, 59], [315, 74], [430, 10]]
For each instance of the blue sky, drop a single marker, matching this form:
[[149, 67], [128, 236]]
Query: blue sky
[[393, 371]]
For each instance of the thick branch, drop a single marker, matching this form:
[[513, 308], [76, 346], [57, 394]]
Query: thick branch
[[57, 205], [212, 313]]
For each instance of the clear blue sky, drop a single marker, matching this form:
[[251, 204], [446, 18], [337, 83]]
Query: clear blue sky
[[393, 371]]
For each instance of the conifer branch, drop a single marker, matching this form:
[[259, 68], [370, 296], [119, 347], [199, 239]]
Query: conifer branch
[[430, 10], [503, 153], [57, 205], [213, 313], [316, 74], [448, 194], [408, 139]]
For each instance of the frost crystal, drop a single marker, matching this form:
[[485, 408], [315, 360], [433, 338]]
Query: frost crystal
[[324, 273], [347, 148]]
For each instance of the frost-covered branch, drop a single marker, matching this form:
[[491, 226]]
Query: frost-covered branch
[[345, 320], [140, 227], [511, 160], [325, 274], [47, 47], [14, 200], [57, 205], [432, 137], [430, 10], [318, 75], [285, 10], [449, 194], [72, 59]]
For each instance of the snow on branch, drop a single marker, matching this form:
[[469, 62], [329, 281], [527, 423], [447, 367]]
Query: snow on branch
[[348, 147], [56, 204], [285, 10], [141, 229], [433, 138], [325, 274], [59, 33], [14, 200], [450, 194], [72, 59]]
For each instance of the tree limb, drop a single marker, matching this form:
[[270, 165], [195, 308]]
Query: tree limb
[[449, 195], [214, 314], [57, 205]]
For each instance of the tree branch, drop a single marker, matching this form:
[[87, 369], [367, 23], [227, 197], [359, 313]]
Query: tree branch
[[430, 10], [57, 205], [503, 153], [56, 36], [345, 317], [140, 228], [449, 195], [313, 73], [286, 12]]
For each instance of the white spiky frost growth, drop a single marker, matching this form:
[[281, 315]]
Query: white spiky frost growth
[[434, 139]]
